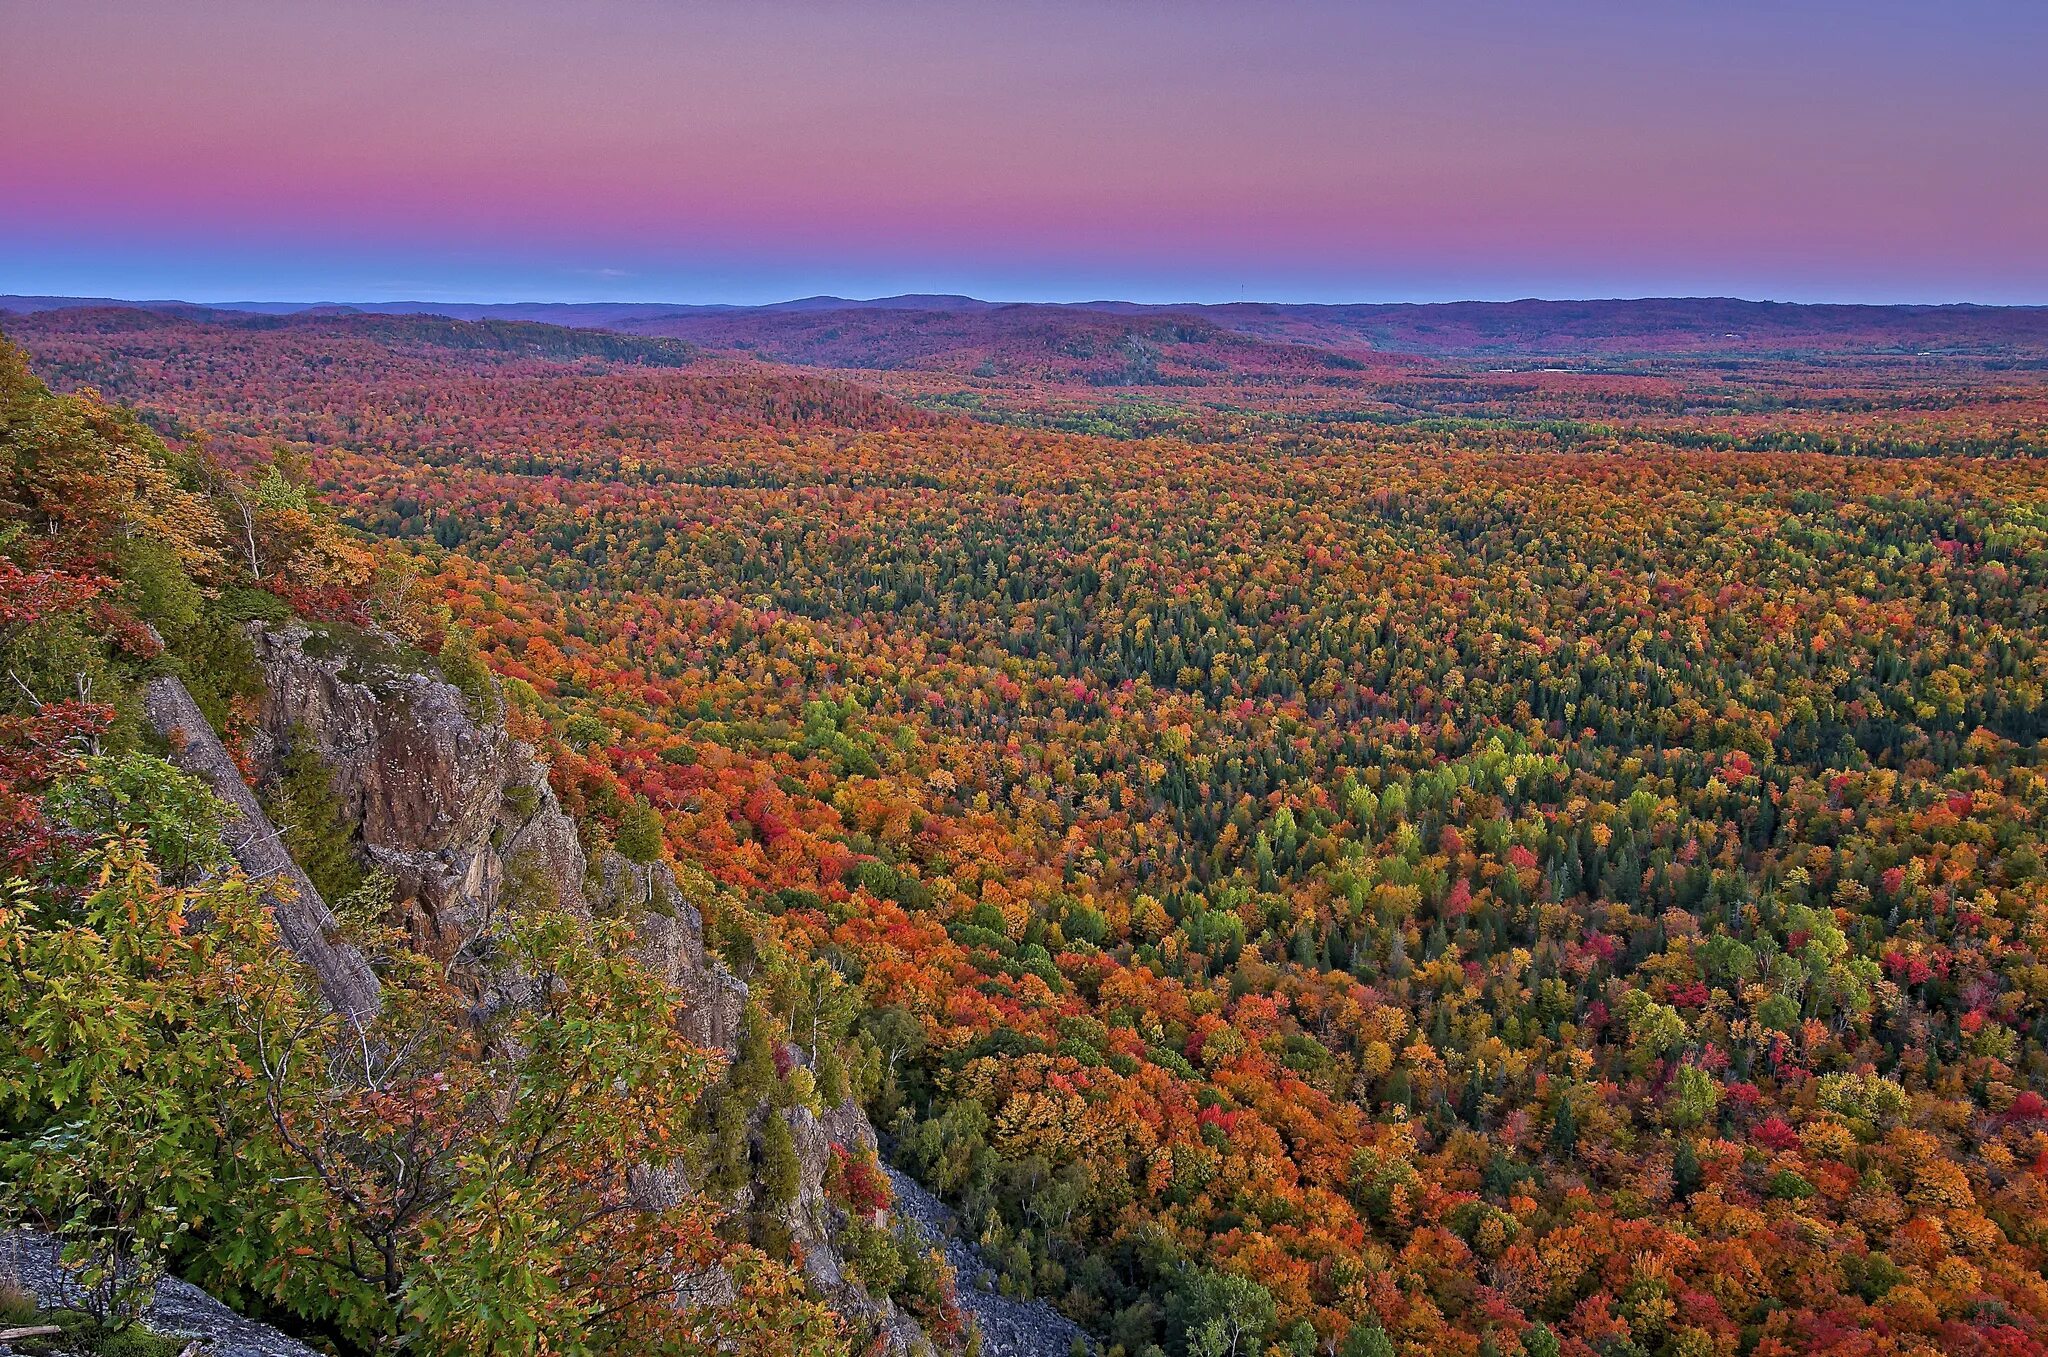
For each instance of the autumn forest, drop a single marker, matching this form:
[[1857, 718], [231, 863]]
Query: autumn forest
[[1512, 831]]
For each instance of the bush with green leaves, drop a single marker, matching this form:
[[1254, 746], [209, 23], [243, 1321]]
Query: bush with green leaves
[[128, 1118], [463, 667], [178, 817], [639, 837]]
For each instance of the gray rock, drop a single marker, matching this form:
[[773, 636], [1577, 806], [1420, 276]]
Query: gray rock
[[846, 1125], [456, 811], [303, 919], [30, 1259], [712, 999], [1009, 1327]]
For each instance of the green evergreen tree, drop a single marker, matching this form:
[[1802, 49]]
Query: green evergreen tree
[[1564, 1130], [463, 667], [753, 1074], [831, 1078], [308, 814], [781, 1174], [1685, 1169]]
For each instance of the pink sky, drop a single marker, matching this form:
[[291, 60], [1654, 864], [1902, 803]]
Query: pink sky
[[1039, 148]]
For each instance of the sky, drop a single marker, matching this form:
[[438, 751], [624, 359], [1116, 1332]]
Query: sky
[[1155, 150]]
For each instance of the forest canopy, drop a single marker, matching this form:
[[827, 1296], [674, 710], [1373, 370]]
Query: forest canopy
[[1299, 875]]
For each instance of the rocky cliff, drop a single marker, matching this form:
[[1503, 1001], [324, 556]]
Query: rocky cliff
[[462, 819], [454, 810], [303, 918]]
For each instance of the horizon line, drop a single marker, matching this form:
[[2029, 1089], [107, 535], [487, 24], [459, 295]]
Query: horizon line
[[296, 304]]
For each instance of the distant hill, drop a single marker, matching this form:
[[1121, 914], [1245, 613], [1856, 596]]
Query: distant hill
[[331, 375], [1036, 342], [584, 315], [1669, 325], [496, 336], [945, 332], [559, 313], [908, 301], [30, 305]]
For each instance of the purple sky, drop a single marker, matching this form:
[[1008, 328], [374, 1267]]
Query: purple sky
[[748, 150]]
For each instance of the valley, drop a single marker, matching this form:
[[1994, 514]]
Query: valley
[[1505, 829]]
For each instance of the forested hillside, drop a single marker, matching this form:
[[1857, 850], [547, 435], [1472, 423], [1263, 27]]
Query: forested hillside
[[1477, 863], [1710, 371], [316, 996]]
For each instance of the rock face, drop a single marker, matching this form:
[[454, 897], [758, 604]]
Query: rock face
[[303, 918], [462, 818], [178, 1308], [812, 1216], [458, 813], [672, 947]]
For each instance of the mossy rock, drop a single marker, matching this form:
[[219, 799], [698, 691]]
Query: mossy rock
[[521, 800], [374, 660], [84, 1335]]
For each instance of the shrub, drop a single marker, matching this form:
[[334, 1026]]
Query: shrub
[[640, 831]]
